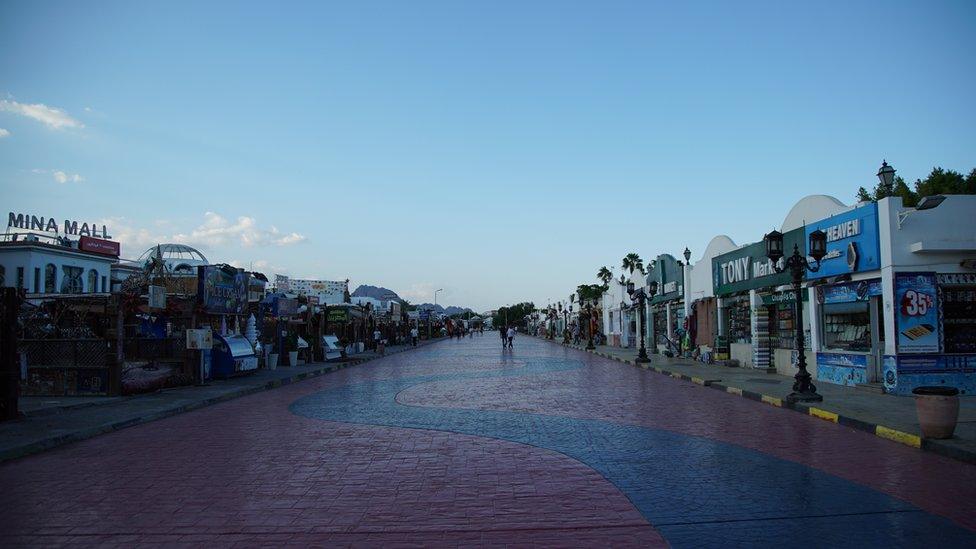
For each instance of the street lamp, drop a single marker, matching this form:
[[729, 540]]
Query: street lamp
[[641, 296], [803, 389], [434, 311], [565, 310], [886, 175]]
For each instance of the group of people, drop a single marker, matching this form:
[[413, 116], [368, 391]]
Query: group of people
[[507, 334]]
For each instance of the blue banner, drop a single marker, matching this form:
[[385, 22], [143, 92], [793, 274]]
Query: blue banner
[[852, 242], [917, 317], [849, 292]]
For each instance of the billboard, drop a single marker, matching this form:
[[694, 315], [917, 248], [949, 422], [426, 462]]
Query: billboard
[[99, 246], [917, 315], [222, 289]]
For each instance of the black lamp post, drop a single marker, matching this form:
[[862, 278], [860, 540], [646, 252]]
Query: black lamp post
[[565, 323], [803, 389], [886, 176], [641, 296]]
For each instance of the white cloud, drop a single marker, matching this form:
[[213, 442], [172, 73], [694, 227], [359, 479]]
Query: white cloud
[[213, 232], [49, 116], [62, 177], [418, 293], [4, 133]]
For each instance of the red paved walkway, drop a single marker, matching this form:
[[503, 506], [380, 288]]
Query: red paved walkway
[[250, 471]]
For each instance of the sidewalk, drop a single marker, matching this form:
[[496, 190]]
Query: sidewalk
[[49, 422], [887, 416]]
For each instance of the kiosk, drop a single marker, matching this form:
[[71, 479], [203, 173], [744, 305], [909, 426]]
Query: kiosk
[[232, 355]]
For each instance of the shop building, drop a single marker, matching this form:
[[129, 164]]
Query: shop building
[[666, 310], [755, 305], [48, 267], [896, 295], [701, 305], [616, 316]]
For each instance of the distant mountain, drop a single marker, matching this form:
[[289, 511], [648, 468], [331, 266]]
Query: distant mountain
[[375, 292], [450, 310]]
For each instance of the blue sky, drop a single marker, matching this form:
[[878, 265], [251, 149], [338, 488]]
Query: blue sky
[[501, 150]]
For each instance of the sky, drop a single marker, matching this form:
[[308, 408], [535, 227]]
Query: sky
[[502, 151]]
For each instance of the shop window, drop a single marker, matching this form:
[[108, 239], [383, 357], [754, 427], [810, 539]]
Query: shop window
[[740, 321], [92, 281], [50, 276], [20, 277], [3, 276], [104, 286], [847, 327], [37, 280], [959, 319], [72, 284]]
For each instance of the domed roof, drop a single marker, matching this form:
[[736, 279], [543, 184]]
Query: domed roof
[[175, 252], [179, 259]]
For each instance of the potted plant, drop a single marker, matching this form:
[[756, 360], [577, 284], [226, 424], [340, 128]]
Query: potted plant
[[938, 410], [272, 361], [291, 345]]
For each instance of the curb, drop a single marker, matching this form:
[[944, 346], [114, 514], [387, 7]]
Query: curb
[[91, 432], [881, 431]]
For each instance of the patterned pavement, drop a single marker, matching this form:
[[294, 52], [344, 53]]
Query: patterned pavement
[[460, 443]]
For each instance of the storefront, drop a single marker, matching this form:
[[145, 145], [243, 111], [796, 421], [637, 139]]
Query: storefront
[[929, 283], [755, 321], [666, 312], [700, 297], [848, 336]]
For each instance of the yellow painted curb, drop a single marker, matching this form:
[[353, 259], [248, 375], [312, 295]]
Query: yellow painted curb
[[698, 380], [773, 401], [734, 390], [914, 441], [823, 414]]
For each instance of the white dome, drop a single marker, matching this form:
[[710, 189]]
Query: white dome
[[178, 258]]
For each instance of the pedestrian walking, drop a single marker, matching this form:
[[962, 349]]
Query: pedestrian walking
[[511, 336], [413, 335], [502, 332]]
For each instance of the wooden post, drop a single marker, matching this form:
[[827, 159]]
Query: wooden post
[[9, 367]]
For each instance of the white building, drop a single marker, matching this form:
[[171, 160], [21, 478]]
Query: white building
[[46, 269]]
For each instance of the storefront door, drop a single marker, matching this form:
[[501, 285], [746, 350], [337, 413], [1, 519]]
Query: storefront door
[[877, 340]]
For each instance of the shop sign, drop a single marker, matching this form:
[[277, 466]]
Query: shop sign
[[337, 315], [935, 364], [849, 292], [157, 297], [285, 306], [783, 297], [669, 275], [425, 315], [199, 339], [957, 278], [917, 316], [99, 246], [221, 290], [30, 222], [852, 242], [282, 283], [748, 268]]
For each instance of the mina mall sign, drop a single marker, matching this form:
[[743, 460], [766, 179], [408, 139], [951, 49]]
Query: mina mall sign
[[29, 222]]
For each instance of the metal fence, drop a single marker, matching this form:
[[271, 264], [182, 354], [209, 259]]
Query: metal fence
[[65, 353]]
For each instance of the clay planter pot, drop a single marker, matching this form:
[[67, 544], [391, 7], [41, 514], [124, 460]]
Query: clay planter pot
[[938, 410], [272, 361], [293, 358]]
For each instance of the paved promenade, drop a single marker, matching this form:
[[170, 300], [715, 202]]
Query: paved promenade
[[461, 443], [895, 415]]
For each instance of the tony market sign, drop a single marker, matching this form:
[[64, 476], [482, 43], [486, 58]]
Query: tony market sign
[[68, 227]]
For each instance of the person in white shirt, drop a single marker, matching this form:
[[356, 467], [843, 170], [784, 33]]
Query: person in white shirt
[[511, 337], [414, 335]]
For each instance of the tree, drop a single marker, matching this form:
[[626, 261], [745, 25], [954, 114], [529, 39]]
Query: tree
[[939, 181], [633, 262], [512, 315], [605, 275]]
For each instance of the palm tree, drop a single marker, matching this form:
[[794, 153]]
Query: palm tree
[[633, 262], [605, 275]]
